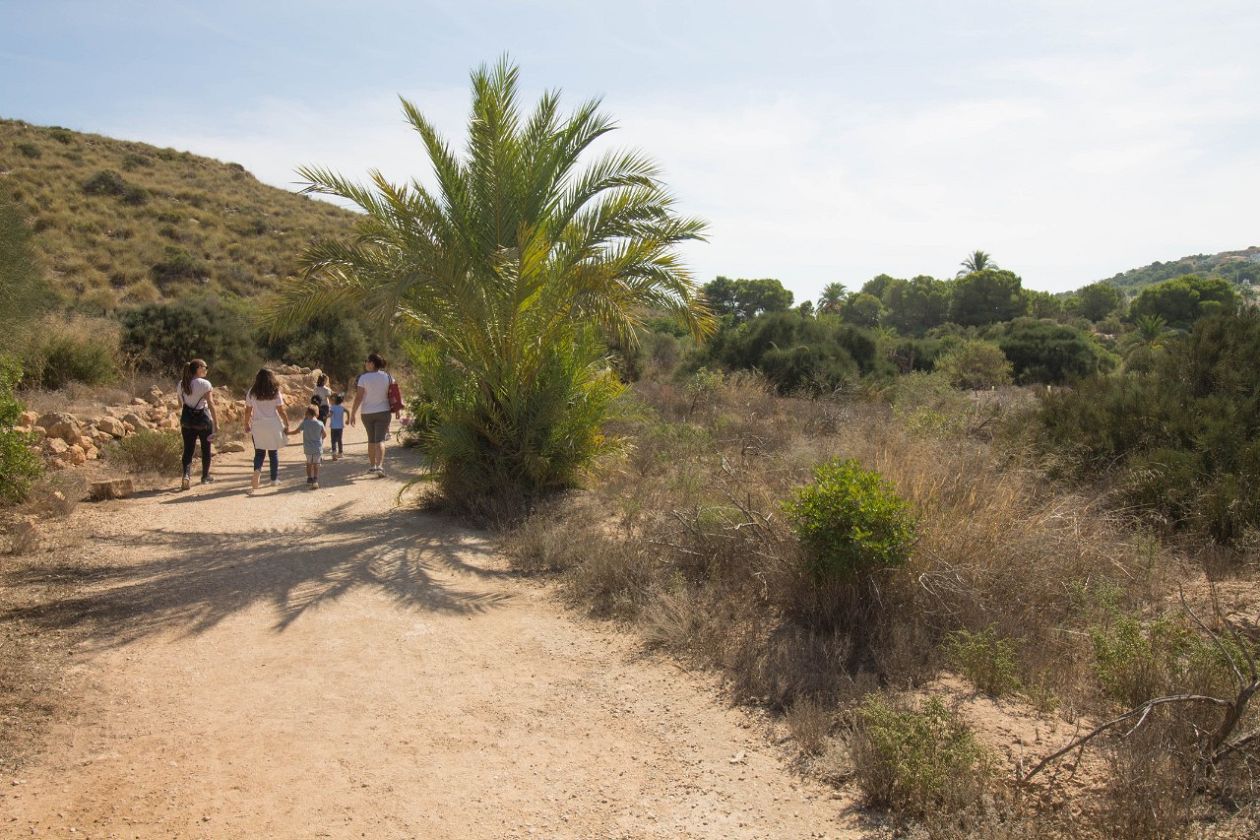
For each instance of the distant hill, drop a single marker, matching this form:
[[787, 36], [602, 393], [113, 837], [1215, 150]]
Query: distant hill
[[119, 223], [1239, 267]]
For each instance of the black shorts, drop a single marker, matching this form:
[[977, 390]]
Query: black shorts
[[323, 412]]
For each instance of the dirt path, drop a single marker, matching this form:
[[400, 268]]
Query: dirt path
[[326, 664]]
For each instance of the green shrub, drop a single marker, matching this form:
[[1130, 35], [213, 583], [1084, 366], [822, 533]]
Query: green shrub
[[986, 659], [507, 445], [334, 343], [29, 150], [1045, 352], [20, 464], [164, 336], [850, 522], [917, 763], [1135, 661], [796, 352], [147, 451], [177, 264], [105, 182], [66, 357], [1183, 439], [975, 364]]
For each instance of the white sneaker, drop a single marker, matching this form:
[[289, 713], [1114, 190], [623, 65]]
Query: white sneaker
[[274, 482]]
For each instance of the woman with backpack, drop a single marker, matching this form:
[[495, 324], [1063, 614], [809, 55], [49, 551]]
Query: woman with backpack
[[197, 418], [376, 394], [267, 423]]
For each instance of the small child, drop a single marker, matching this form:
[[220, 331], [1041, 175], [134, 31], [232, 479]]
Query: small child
[[337, 423], [313, 435], [321, 396]]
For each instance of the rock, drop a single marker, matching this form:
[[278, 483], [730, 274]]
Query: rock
[[28, 418], [115, 488], [54, 418], [139, 402], [39, 432], [234, 446], [135, 421], [66, 428], [91, 452], [56, 446], [111, 426], [100, 438], [76, 456], [155, 394]]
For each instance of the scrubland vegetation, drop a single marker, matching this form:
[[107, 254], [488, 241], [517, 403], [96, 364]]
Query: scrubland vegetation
[[861, 510]]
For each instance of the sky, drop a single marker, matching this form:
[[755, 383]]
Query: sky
[[822, 141]]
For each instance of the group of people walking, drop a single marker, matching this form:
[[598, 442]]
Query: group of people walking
[[376, 398]]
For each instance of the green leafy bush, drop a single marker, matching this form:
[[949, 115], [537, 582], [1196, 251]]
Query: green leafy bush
[[86, 359], [986, 659], [917, 763], [1137, 660], [147, 451], [975, 364], [1045, 352], [797, 353], [105, 182], [850, 522], [335, 343], [177, 264], [19, 462], [1183, 439], [164, 336], [508, 447]]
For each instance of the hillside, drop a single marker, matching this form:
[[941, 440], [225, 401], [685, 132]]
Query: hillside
[[1239, 267], [119, 222]]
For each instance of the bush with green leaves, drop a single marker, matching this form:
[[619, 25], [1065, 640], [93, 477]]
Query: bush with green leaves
[[850, 522], [333, 342], [148, 452], [164, 336], [975, 364], [799, 353], [1050, 353], [76, 351], [20, 463], [988, 660], [1180, 442], [918, 763], [1184, 300], [1137, 660]]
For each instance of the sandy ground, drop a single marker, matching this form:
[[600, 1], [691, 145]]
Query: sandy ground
[[328, 664]]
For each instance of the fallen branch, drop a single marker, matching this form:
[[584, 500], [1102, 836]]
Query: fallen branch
[[1141, 712]]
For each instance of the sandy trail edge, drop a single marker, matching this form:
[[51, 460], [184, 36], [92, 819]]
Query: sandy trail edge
[[326, 664]]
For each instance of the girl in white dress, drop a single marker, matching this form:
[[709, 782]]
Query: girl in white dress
[[266, 422]]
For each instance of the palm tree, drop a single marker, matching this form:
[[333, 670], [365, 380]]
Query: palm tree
[[509, 272], [832, 297], [976, 261], [1151, 328]]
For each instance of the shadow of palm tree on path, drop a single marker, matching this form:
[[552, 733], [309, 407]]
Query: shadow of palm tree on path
[[203, 578]]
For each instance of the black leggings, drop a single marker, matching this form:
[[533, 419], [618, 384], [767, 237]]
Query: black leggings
[[336, 441], [191, 436], [273, 456]]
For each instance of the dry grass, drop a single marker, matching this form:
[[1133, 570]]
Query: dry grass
[[101, 250], [686, 538]]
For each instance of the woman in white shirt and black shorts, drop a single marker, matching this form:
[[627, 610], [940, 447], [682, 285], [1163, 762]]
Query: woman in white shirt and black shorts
[[372, 397]]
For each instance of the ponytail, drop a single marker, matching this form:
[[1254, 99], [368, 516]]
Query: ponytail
[[190, 373]]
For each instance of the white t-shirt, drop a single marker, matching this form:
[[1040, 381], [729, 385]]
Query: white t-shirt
[[265, 408], [375, 385], [200, 388]]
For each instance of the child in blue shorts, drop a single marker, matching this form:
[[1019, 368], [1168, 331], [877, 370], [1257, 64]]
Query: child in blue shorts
[[313, 435], [337, 423]]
